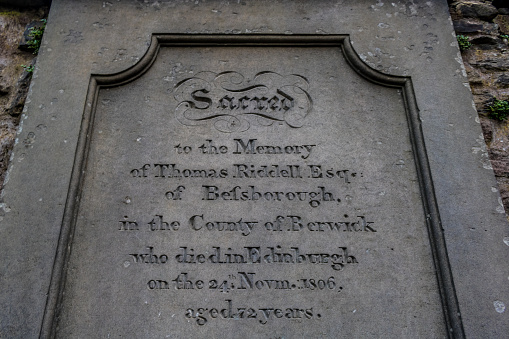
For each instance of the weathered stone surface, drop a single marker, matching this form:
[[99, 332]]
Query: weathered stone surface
[[503, 80], [8, 127], [23, 44], [490, 28], [500, 161], [17, 101], [501, 63], [486, 42], [485, 65], [134, 170], [504, 189], [245, 184], [13, 80], [463, 26], [477, 10], [12, 23], [503, 22], [487, 128]]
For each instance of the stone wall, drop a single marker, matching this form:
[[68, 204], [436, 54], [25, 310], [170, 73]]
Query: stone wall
[[486, 62], [14, 80]]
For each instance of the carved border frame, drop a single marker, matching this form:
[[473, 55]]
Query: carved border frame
[[444, 276]]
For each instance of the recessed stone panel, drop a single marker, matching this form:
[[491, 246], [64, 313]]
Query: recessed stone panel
[[240, 189]]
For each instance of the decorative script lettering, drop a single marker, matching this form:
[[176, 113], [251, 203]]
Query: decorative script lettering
[[231, 103]]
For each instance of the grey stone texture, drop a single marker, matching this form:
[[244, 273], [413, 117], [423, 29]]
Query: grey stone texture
[[327, 128], [463, 26], [477, 10], [503, 22], [486, 66], [85, 195], [24, 43], [14, 81]]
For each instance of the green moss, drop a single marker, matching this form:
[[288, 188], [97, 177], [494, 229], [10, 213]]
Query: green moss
[[463, 42], [10, 13], [29, 68], [36, 37], [499, 109]]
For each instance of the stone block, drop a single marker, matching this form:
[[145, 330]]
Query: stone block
[[502, 81], [26, 38], [472, 9], [251, 169], [500, 162], [503, 22], [463, 26]]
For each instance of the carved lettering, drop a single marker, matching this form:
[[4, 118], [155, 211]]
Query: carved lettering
[[267, 98], [277, 102], [251, 147], [149, 258], [266, 171], [251, 193], [197, 223], [128, 225], [157, 224], [269, 255], [263, 315]]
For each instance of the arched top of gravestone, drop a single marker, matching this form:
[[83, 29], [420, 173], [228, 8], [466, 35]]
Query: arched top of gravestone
[[176, 40]]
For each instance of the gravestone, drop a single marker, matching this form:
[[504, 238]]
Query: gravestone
[[251, 169]]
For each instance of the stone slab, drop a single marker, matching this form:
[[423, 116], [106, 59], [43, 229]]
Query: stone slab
[[267, 169]]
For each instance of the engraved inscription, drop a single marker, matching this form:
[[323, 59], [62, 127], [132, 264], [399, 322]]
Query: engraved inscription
[[231, 103], [245, 226], [252, 208], [263, 315]]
